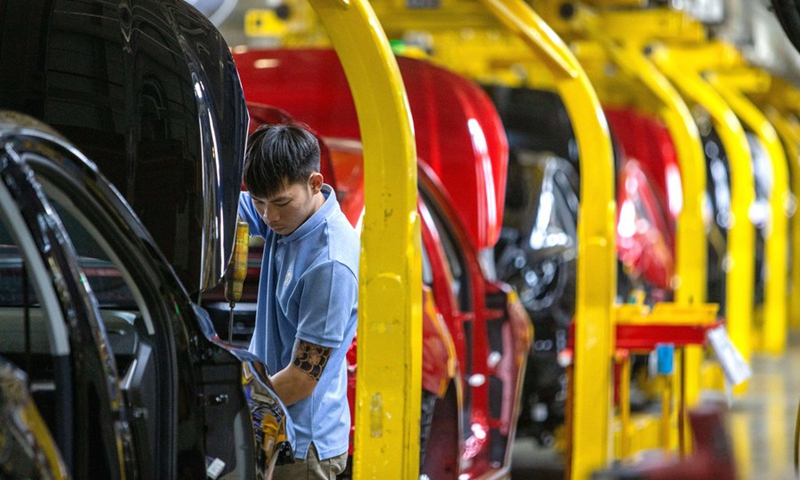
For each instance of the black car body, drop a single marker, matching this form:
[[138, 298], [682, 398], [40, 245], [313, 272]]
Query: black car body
[[718, 208], [148, 90], [122, 360], [720, 221], [125, 368], [538, 246]]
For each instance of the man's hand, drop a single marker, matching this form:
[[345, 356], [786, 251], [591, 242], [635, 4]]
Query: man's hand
[[298, 380]]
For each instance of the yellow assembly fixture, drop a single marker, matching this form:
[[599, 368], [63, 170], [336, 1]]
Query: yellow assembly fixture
[[390, 304], [454, 27], [683, 67], [781, 103], [596, 281], [732, 84], [625, 53], [612, 46], [666, 329]]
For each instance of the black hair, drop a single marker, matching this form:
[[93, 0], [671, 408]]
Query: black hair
[[277, 156]]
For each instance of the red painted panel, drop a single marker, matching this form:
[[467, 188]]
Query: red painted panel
[[649, 195], [460, 136], [308, 83], [644, 241], [648, 141], [458, 131]]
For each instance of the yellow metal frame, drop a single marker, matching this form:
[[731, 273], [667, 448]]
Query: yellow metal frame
[[730, 86], [791, 142], [594, 326], [596, 256], [690, 248], [627, 55], [635, 433], [682, 67], [390, 302], [623, 25], [610, 44], [781, 104]]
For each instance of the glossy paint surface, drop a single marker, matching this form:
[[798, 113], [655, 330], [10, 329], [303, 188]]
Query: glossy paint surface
[[148, 90], [649, 197], [648, 141], [642, 245], [94, 381], [197, 383], [454, 122], [459, 135]]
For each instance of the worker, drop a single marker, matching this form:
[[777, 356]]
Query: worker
[[307, 295]]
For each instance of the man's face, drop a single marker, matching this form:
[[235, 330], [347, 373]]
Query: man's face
[[285, 211]]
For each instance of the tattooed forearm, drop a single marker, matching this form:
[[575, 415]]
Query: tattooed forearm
[[311, 358]]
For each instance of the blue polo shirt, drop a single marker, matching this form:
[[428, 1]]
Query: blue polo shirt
[[308, 290]]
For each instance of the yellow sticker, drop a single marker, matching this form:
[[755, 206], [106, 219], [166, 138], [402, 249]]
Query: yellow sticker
[[263, 22]]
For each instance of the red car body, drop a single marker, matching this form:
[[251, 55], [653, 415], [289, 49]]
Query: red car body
[[462, 152], [649, 197]]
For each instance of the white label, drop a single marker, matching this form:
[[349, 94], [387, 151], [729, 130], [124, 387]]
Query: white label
[[734, 366], [215, 468]]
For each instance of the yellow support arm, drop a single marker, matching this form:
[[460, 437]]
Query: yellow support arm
[[774, 328], [465, 19], [690, 254], [791, 142], [390, 302], [741, 241], [548, 47], [783, 102], [591, 402], [690, 243], [690, 239]]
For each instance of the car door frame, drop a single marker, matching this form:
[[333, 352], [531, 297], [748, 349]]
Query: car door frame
[[88, 381]]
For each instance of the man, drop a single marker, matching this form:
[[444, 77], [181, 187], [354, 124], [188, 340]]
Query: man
[[308, 292]]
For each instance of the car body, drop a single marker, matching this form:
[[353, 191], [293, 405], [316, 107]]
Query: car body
[[717, 214], [124, 346], [649, 200], [461, 159], [152, 96], [538, 247], [126, 370]]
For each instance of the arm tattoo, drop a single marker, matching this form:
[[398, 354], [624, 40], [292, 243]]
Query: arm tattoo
[[311, 358]]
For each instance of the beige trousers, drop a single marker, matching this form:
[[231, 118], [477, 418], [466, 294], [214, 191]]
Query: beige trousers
[[312, 468]]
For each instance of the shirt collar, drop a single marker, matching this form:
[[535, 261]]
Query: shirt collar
[[329, 206]]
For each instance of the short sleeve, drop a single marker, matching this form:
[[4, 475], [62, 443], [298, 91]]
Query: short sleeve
[[250, 215], [328, 299]]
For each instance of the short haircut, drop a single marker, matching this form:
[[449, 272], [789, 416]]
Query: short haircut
[[277, 156]]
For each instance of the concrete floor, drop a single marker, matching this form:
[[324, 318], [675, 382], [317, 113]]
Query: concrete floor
[[762, 421], [761, 424], [533, 462]]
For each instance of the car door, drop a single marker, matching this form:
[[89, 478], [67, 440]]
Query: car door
[[178, 389], [51, 326]]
